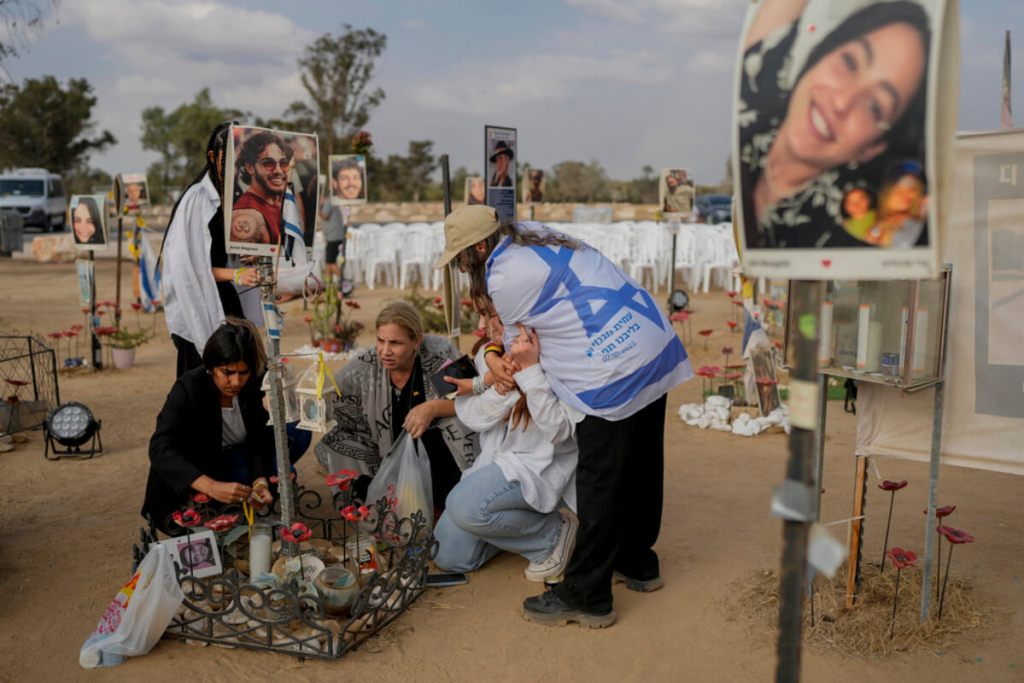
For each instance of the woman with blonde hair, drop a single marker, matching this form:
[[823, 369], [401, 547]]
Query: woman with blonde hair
[[385, 390]]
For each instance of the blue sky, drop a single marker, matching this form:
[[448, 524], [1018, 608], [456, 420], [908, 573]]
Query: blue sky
[[627, 83]]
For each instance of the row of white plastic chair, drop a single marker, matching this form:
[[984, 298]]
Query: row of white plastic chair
[[403, 253]]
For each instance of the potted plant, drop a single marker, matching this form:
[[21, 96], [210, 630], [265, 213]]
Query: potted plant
[[122, 345], [331, 326]]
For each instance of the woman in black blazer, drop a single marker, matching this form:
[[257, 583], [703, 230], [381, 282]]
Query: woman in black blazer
[[212, 435]]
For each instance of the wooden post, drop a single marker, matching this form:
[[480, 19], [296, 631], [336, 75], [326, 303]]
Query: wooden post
[[117, 285], [856, 532], [450, 276]]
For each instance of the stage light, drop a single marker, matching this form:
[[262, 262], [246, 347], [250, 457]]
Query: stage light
[[72, 425]]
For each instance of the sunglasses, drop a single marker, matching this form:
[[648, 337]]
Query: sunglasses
[[268, 164]]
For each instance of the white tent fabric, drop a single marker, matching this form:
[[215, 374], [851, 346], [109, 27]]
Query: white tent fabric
[[984, 394]]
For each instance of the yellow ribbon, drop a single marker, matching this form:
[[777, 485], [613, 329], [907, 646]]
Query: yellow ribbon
[[250, 514], [321, 374]]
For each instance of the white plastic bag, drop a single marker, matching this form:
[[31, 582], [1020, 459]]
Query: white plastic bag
[[140, 613], [404, 480]]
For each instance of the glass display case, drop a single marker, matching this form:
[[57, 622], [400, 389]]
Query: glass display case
[[888, 332]]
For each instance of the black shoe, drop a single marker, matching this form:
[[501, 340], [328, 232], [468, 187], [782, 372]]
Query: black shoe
[[639, 585], [548, 609]]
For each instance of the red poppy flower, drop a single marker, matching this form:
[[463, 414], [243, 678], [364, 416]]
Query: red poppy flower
[[901, 559], [222, 523], [732, 376], [85, 309], [732, 324], [17, 382], [437, 301], [466, 303], [155, 302], [354, 305], [737, 303], [308, 319], [77, 327], [726, 350], [766, 381], [71, 333], [941, 512], [342, 479], [777, 344], [186, 518], [709, 371], [705, 333], [296, 533], [892, 485], [136, 306], [54, 335], [679, 316], [355, 514], [731, 294], [955, 536]]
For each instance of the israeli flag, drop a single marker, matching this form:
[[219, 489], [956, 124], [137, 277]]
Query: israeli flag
[[292, 223], [149, 275]]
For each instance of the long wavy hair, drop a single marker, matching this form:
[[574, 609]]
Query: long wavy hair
[[477, 262]]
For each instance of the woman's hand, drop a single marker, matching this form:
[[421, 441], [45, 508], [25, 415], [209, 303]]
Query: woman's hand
[[260, 495], [464, 387], [420, 418], [222, 491], [525, 349], [502, 370]]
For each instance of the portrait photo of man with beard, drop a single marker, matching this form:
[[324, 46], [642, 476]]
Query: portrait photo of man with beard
[[262, 164]]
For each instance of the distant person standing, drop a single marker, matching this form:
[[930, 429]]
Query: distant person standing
[[332, 224], [535, 190]]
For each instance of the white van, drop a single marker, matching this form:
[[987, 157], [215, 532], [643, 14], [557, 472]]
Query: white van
[[37, 195]]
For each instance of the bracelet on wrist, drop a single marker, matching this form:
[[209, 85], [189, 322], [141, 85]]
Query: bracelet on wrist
[[478, 385], [492, 347], [238, 275]]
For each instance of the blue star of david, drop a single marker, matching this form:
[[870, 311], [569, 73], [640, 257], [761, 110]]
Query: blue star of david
[[581, 296]]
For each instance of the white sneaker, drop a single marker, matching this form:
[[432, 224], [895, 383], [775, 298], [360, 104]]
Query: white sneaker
[[558, 560]]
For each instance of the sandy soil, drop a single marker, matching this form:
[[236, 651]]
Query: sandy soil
[[66, 528]]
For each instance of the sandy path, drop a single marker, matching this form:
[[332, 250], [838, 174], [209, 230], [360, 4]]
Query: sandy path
[[66, 529]]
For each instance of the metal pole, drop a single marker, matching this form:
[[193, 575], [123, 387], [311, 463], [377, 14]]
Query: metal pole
[[819, 443], [450, 279], [97, 348], [803, 406], [277, 404], [117, 297]]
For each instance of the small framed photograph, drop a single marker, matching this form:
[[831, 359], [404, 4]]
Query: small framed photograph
[[198, 552], [132, 191], [474, 193], [676, 192], [89, 221], [348, 179], [533, 186]]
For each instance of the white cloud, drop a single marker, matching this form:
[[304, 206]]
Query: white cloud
[[712, 62], [536, 78], [683, 17]]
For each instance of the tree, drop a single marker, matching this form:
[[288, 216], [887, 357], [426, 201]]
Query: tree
[[574, 181], [43, 124], [20, 19], [86, 180], [180, 138], [336, 72], [418, 166]]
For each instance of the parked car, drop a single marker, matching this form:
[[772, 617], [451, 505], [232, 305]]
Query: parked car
[[714, 208], [37, 195]]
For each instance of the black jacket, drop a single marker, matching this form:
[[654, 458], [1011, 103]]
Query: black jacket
[[187, 442]]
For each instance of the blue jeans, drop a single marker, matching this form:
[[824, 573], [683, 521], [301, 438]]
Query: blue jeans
[[486, 514]]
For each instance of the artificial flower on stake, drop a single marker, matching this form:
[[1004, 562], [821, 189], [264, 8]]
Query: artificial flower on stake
[[709, 373], [901, 559], [705, 334], [892, 487], [297, 533], [955, 537], [354, 514], [342, 479], [940, 513], [726, 351], [222, 523], [732, 325]]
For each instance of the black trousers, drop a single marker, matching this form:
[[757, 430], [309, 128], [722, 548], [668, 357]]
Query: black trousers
[[188, 356], [619, 488]]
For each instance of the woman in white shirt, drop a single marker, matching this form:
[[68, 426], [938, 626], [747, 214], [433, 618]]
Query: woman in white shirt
[[510, 498]]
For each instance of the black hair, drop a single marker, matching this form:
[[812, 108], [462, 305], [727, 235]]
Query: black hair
[[216, 146], [906, 136], [345, 164], [872, 199], [234, 341], [250, 152], [97, 219]]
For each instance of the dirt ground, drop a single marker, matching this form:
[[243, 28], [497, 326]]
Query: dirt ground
[[66, 528]]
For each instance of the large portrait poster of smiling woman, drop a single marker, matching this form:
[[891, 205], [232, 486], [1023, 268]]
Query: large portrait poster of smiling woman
[[845, 113]]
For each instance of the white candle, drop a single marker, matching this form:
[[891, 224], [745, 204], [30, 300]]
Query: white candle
[[825, 344], [259, 550]]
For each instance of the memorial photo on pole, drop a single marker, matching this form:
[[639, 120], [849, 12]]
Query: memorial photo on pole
[[475, 191], [500, 165], [835, 136], [88, 221], [676, 192], [348, 179], [132, 191], [266, 171], [533, 186]]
